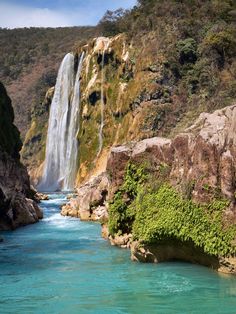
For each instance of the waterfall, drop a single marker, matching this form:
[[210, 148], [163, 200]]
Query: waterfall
[[72, 142], [62, 145]]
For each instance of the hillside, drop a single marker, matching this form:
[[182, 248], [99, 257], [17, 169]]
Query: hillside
[[29, 60], [174, 60]]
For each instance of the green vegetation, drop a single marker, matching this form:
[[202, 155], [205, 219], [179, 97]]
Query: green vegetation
[[186, 47], [157, 212], [164, 214], [187, 50], [25, 47], [120, 217]]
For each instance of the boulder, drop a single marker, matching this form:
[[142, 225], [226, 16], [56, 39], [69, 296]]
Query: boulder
[[90, 202]]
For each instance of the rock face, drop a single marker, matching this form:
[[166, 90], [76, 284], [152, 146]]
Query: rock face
[[33, 151], [155, 150], [173, 250], [202, 159], [201, 165], [90, 203], [17, 204]]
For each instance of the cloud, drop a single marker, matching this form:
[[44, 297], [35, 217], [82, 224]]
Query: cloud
[[12, 16], [73, 13]]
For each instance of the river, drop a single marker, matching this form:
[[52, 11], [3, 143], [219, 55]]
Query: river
[[62, 265]]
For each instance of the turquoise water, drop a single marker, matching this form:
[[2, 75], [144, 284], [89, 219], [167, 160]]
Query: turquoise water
[[62, 265]]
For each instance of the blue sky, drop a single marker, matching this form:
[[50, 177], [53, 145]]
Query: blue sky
[[55, 13]]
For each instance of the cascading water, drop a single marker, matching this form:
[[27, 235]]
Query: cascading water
[[62, 146], [72, 142]]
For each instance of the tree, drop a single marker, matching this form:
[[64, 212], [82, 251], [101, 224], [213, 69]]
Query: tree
[[110, 24]]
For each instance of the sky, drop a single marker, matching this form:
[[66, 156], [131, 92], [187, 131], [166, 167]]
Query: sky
[[56, 13]]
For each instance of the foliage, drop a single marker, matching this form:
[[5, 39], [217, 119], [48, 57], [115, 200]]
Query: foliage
[[222, 41], [111, 23], [187, 49], [164, 214], [153, 211], [120, 219]]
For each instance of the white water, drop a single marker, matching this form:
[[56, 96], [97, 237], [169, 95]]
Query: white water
[[72, 142], [62, 145]]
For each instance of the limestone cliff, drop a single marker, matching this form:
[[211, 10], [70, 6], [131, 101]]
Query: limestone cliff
[[129, 91], [17, 206]]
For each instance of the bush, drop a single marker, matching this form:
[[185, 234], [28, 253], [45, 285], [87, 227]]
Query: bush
[[220, 40], [187, 50]]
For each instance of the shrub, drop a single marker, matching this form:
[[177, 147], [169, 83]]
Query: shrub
[[187, 50]]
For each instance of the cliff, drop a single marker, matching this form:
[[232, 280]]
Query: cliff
[[17, 206], [147, 83], [171, 199]]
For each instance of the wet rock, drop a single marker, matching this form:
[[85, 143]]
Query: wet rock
[[105, 231], [41, 197]]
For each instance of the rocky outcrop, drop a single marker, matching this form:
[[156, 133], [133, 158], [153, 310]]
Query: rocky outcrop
[[205, 155], [201, 160], [154, 151], [90, 202], [17, 203], [173, 250], [200, 163]]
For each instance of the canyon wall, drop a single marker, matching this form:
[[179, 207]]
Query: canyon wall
[[17, 204]]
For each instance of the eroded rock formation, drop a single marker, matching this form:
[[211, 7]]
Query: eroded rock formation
[[17, 204]]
